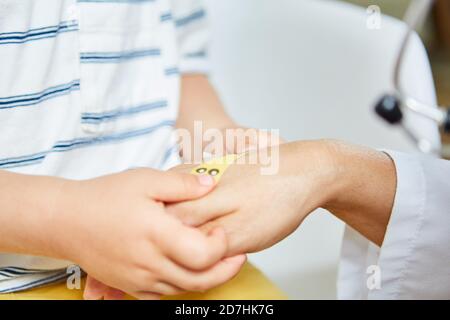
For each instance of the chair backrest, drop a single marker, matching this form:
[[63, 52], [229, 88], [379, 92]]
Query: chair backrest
[[313, 69]]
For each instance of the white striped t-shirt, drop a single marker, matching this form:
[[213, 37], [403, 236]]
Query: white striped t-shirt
[[88, 88]]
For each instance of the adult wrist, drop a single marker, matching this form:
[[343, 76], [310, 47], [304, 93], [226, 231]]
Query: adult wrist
[[342, 179], [315, 164], [363, 189]]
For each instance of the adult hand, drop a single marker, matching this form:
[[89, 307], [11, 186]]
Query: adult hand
[[354, 183], [259, 210]]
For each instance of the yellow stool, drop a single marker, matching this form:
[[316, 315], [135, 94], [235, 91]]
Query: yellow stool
[[249, 284]]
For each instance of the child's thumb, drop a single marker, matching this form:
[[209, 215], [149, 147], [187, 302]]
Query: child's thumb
[[175, 187]]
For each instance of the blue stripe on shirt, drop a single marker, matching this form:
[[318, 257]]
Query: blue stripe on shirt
[[13, 274], [199, 54], [38, 97], [84, 142], [38, 33], [197, 15], [68, 145], [37, 283], [174, 149], [18, 270], [23, 160], [166, 17], [172, 71], [113, 57], [94, 118]]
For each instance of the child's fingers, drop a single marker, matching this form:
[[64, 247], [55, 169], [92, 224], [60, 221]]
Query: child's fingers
[[198, 212], [114, 294], [171, 186], [167, 289], [94, 289], [188, 246], [141, 295], [183, 168], [159, 289], [201, 281]]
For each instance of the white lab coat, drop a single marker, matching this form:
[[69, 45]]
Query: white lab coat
[[414, 260]]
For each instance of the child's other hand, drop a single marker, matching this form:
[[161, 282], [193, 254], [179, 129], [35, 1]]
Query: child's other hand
[[96, 290], [116, 228], [232, 139], [245, 139]]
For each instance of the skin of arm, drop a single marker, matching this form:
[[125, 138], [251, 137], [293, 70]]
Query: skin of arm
[[200, 102], [27, 213], [368, 183], [354, 183]]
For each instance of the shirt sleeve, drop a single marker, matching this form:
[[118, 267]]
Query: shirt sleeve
[[192, 30], [414, 259]]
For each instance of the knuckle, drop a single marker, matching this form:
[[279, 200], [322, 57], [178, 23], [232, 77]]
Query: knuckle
[[144, 280]]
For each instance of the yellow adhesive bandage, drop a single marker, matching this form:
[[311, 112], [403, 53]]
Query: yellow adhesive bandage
[[216, 167]]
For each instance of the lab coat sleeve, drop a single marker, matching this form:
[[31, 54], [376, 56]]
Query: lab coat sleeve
[[192, 30], [414, 259]]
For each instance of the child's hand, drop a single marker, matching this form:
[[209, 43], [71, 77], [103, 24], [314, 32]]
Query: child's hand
[[232, 139], [259, 210], [253, 139], [96, 290], [116, 228]]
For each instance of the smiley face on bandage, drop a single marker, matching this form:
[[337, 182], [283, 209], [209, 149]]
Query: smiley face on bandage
[[216, 167], [212, 172]]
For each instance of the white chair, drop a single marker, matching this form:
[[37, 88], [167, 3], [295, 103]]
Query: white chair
[[314, 70]]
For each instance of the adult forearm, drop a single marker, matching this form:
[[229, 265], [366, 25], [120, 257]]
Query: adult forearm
[[27, 209], [366, 181]]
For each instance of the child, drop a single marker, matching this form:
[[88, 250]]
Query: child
[[88, 90]]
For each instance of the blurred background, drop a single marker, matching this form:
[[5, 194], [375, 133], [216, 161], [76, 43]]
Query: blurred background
[[436, 35], [313, 69]]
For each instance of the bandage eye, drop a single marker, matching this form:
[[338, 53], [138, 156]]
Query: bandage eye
[[201, 170], [214, 172]]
